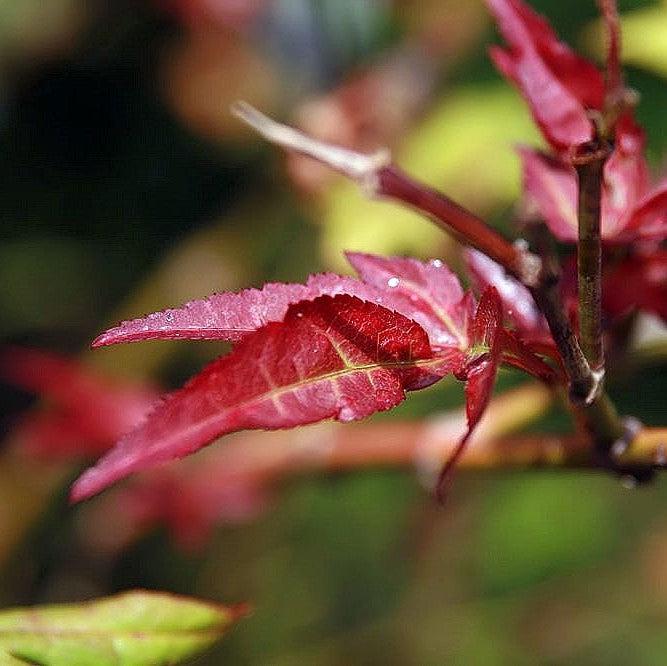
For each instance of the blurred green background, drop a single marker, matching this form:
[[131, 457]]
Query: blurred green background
[[125, 186]]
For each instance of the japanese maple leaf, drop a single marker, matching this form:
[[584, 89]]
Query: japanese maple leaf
[[559, 86], [335, 347], [86, 412], [427, 292], [333, 357]]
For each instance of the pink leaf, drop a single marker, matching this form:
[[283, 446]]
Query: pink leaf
[[480, 372], [335, 357], [517, 301], [551, 189], [231, 316], [557, 84], [429, 293]]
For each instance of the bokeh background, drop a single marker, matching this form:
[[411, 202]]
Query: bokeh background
[[126, 186]]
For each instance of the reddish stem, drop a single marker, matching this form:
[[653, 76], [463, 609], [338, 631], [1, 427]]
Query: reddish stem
[[448, 215]]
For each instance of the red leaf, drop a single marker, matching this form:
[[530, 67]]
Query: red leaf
[[332, 357], [648, 220], [91, 412], [638, 282], [231, 316], [524, 357], [551, 188], [614, 83], [557, 84], [428, 293], [518, 303], [480, 373], [626, 178]]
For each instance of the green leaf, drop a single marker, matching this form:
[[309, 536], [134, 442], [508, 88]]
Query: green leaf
[[133, 628]]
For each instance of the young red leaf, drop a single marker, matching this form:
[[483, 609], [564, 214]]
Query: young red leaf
[[518, 304], [429, 293], [334, 357], [558, 84], [480, 372], [231, 316], [88, 412]]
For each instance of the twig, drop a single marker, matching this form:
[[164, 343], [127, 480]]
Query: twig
[[589, 163], [378, 177]]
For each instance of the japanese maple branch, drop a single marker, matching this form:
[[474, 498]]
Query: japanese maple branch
[[380, 178], [601, 416], [589, 163]]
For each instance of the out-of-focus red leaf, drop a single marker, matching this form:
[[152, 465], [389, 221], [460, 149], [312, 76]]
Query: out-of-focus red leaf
[[558, 84], [628, 213], [190, 505], [626, 178], [550, 188], [429, 293], [334, 357], [230, 13], [639, 282], [88, 412], [517, 301], [480, 372], [648, 220], [614, 82], [231, 316]]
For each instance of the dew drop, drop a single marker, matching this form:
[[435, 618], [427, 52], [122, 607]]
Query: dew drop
[[393, 282], [346, 414], [169, 316], [437, 263]]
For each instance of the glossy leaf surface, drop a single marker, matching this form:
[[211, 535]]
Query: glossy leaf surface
[[517, 301], [427, 292], [231, 316]]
